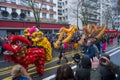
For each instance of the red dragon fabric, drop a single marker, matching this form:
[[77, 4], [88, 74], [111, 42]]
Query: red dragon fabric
[[19, 52]]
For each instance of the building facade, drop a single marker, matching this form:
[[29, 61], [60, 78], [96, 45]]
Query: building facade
[[16, 27], [19, 15], [70, 11], [106, 13], [74, 11], [116, 12], [117, 22], [92, 11], [18, 9]]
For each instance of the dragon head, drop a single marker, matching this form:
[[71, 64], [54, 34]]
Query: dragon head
[[16, 44]]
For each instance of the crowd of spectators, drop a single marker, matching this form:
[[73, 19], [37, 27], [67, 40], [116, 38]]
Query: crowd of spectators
[[94, 64]]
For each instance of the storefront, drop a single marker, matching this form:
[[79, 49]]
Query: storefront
[[17, 27]]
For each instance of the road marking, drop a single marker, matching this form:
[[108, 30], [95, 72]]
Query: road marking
[[30, 69], [6, 68], [50, 77], [71, 62], [73, 67], [9, 78], [112, 50], [53, 60], [53, 76], [47, 62], [114, 53]]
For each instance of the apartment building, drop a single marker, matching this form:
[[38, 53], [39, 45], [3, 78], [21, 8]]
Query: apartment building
[[59, 12], [116, 12], [92, 11], [72, 11], [19, 16], [19, 9], [69, 11], [106, 13]]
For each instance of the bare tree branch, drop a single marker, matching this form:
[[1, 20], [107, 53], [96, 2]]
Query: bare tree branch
[[109, 17], [79, 10], [36, 11]]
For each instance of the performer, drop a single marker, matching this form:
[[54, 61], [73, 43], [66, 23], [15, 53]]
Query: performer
[[18, 51], [62, 53]]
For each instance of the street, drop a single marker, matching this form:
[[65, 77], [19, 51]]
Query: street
[[29, 28], [50, 67]]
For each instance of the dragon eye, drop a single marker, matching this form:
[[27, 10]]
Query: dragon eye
[[19, 42]]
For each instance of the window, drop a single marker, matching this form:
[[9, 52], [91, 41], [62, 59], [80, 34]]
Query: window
[[65, 2], [44, 15], [60, 18], [24, 2], [51, 16], [51, 8], [66, 17], [63, 18], [13, 10], [23, 11], [66, 9], [51, 0], [59, 5], [44, 6], [2, 0], [28, 13], [2, 8], [36, 5], [59, 12], [63, 11], [13, 1]]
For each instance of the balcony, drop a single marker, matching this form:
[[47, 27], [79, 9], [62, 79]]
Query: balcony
[[59, 13], [93, 19], [90, 4], [93, 12], [94, 0], [59, 6]]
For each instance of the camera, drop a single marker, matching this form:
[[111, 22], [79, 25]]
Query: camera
[[102, 60], [76, 57]]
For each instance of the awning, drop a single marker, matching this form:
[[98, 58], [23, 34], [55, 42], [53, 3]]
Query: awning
[[4, 24], [110, 31]]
